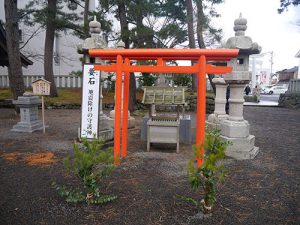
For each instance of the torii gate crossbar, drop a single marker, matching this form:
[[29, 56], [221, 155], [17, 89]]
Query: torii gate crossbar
[[122, 68]]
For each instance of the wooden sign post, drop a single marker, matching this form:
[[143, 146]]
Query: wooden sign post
[[41, 87]]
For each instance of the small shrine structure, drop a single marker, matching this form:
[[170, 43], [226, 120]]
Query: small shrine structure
[[163, 127], [122, 66]]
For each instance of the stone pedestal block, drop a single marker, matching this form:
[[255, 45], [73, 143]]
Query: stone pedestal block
[[235, 129], [241, 148], [214, 120], [105, 131], [111, 120], [29, 114]]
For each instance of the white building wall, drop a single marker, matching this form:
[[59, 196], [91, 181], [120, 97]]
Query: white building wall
[[67, 46]]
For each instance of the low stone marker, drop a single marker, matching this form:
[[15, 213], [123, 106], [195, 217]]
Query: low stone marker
[[29, 114], [291, 98]]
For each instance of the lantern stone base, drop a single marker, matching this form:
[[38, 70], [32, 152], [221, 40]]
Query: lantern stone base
[[111, 120], [131, 122], [106, 134], [241, 148], [242, 143], [28, 127], [215, 120], [235, 129], [105, 130]]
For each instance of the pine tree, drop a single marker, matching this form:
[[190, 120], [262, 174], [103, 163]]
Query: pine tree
[[12, 39], [284, 4], [56, 16]]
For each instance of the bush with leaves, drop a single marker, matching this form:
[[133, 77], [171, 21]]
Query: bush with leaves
[[90, 164], [184, 80], [147, 79], [210, 172]]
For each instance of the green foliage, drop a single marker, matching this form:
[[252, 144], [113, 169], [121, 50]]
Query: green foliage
[[284, 4], [211, 171], [212, 35], [184, 80], [189, 199], [37, 11], [70, 195], [66, 16], [147, 79], [111, 81], [77, 73], [250, 98], [91, 165], [152, 24]]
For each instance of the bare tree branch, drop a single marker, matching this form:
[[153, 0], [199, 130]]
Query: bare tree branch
[[36, 32]]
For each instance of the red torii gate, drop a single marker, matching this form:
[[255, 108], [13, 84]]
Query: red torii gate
[[123, 67]]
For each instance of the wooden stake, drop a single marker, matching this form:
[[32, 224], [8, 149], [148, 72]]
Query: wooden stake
[[43, 114]]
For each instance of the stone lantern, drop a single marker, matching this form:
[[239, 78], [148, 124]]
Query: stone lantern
[[235, 129], [111, 118], [96, 41]]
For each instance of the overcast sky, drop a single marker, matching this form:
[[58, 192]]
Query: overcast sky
[[272, 31]]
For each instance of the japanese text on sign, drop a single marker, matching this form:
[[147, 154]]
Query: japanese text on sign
[[90, 102]]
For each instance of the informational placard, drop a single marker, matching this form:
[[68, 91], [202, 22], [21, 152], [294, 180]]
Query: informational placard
[[41, 87], [90, 102]]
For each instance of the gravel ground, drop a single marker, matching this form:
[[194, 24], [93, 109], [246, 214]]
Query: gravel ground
[[260, 191]]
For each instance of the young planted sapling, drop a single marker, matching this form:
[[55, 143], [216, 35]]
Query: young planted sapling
[[210, 172], [90, 164]]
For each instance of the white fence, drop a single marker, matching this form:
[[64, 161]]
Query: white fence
[[64, 81]]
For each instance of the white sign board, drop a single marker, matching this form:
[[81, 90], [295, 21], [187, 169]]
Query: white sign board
[[90, 102]]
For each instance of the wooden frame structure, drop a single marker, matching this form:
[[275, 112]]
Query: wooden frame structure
[[122, 67]]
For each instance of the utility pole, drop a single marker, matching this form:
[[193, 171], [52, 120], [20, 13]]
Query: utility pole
[[271, 61], [253, 75]]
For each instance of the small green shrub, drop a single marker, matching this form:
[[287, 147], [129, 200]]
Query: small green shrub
[[147, 79], [210, 172], [90, 164], [252, 98], [184, 80]]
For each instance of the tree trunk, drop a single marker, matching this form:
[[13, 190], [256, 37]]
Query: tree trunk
[[125, 39], [139, 26], [200, 28], [49, 42], [86, 19], [200, 24], [12, 41], [192, 43], [123, 23]]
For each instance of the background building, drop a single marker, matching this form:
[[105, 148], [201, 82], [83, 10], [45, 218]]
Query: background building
[[65, 58]]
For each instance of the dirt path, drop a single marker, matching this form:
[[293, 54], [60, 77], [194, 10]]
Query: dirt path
[[261, 191]]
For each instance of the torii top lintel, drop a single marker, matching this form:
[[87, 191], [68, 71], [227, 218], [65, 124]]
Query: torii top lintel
[[165, 54]]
